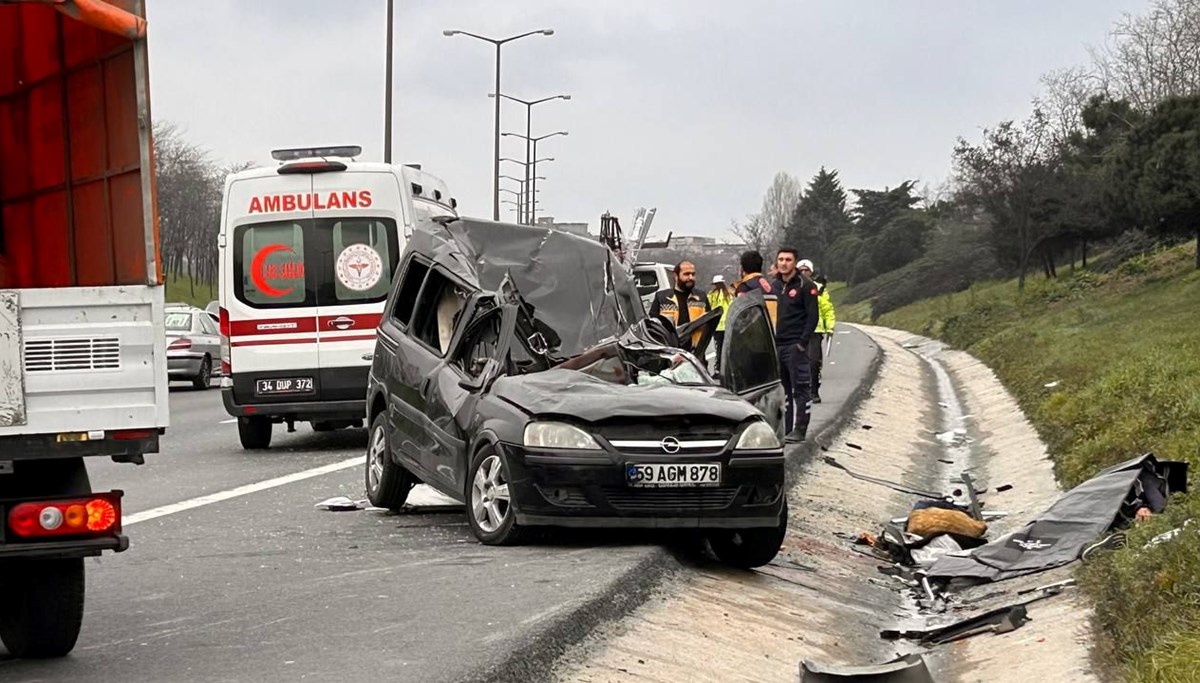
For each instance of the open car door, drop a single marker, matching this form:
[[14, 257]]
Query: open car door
[[749, 361]]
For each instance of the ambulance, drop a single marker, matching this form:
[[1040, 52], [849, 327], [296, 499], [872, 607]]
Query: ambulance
[[307, 254]]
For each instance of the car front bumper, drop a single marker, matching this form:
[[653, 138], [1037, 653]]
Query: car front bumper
[[589, 490]]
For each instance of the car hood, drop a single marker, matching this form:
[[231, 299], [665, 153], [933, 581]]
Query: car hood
[[573, 394]]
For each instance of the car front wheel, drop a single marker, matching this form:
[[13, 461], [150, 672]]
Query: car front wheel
[[489, 501], [388, 484], [749, 548]]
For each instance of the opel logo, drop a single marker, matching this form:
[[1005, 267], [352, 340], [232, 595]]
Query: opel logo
[[670, 445]]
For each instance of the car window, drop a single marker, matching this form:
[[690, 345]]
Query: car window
[[207, 325], [270, 261], [179, 322], [410, 288], [479, 344], [364, 254], [437, 312], [647, 282], [751, 361]]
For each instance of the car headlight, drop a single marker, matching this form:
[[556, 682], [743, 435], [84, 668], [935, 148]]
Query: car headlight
[[758, 437], [558, 435]]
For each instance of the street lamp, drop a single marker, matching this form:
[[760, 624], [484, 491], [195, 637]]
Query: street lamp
[[387, 99], [529, 154], [532, 167], [498, 43]]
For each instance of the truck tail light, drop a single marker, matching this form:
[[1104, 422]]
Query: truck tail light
[[96, 515], [181, 344], [132, 434]]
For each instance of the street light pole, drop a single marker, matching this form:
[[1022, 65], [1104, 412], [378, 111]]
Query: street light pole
[[387, 97], [496, 158], [531, 167], [529, 154]]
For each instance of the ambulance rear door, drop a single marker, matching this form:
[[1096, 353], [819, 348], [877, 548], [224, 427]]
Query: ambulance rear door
[[270, 289], [359, 218]]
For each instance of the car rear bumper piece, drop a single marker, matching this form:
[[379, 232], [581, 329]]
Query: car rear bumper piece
[[590, 491], [63, 549]]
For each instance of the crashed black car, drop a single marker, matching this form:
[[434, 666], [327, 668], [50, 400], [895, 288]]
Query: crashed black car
[[516, 370]]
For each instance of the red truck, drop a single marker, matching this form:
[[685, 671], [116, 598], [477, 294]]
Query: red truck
[[82, 345]]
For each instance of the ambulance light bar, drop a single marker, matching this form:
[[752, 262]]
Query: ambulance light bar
[[345, 151]]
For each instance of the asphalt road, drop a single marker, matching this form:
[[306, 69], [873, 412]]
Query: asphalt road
[[254, 583]]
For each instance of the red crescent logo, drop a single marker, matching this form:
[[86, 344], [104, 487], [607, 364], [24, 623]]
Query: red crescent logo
[[260, 262]]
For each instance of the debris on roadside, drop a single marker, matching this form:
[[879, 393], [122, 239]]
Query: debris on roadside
[[342, 504], [909, 668]]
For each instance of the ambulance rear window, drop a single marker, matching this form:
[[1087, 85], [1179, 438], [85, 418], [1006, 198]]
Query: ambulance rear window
[[270, 262], [364, 258]]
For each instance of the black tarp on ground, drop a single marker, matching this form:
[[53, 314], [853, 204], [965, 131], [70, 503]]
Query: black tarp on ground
[[1058, 535], [561, 276]]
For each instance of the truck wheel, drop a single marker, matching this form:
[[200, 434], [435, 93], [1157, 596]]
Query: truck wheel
[[204, 379], [255, 432], [749, 548], [41, 606], [388, 484]]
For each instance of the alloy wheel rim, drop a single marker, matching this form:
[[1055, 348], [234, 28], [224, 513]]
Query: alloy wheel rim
[[375, 466], [490, 501]]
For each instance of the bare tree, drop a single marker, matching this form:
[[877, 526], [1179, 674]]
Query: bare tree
[[1153, 56], [189, 204], [779, 204], [755, 232]]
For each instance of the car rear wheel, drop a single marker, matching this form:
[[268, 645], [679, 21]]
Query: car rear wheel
[[203, 380], [489, 502], [749, 548], [388, 484], [255, 432]]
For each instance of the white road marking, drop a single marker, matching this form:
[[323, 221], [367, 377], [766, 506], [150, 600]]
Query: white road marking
[[220, 496], [229, 421]]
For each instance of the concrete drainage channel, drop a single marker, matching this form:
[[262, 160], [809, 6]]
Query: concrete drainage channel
[[931, 414]]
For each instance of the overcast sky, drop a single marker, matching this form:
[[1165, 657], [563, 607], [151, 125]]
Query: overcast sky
[[688, 105]]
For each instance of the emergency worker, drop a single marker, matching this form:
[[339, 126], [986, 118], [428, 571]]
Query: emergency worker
[[682, 304], [720, 296], [751, 265], [798, 318], [827, 319]]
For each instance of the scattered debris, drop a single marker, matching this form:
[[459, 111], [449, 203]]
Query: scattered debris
[[866, 426], [907, 669], [1004, 487], [935, 548], [1051, 385], [999, 620], [341, 504], [943, 460], [829, 460], [854, 446]]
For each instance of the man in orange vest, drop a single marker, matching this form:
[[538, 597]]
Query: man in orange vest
[[683, 303]]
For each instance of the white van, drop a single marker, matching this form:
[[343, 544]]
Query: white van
[[307, 254]]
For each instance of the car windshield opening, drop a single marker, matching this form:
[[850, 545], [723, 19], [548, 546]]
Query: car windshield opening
[[642, 365]]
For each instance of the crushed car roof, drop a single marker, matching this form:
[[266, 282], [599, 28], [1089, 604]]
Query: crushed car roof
[[573, 286]]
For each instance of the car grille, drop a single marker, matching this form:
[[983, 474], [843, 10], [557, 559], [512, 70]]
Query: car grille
[[649, 500], [643, 437], [66, 355]]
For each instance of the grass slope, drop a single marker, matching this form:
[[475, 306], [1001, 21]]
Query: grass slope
[[1122, 352]]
